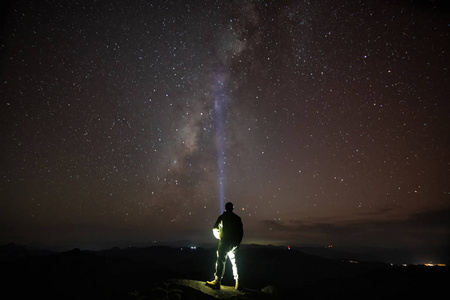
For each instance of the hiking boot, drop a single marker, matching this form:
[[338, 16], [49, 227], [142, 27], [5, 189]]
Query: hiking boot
[[215, 284]]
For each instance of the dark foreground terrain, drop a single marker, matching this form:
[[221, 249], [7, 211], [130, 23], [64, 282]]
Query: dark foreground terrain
[[179, 273]]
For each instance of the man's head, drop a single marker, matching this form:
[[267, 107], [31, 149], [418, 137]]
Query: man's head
[[229, 207]]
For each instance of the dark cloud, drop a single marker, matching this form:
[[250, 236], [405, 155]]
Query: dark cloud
[[428, 229]]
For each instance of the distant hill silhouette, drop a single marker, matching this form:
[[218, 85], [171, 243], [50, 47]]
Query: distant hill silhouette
[[267, 272], [12, 252]]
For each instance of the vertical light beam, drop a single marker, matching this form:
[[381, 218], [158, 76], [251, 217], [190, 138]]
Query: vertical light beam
[[220, 111]]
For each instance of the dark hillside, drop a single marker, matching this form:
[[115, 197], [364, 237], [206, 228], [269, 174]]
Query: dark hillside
[[131, 273]]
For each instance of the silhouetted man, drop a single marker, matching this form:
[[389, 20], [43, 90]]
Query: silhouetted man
[[229, 230]]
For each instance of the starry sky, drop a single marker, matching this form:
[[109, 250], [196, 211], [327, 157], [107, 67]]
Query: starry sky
[[132, 122]]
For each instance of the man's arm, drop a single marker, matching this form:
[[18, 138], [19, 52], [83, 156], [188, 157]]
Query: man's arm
[[217, 228], [219, 219], [241, 227]]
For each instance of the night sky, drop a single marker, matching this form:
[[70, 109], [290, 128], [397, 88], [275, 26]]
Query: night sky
[[133, 122]]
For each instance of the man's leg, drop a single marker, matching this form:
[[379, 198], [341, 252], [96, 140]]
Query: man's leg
[[222, 252], [232, 255], [220, 266]]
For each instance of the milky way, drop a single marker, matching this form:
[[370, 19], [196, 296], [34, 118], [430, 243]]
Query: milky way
[[324, 122]]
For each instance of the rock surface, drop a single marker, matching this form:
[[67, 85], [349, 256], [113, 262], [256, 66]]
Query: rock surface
[[225, 292]]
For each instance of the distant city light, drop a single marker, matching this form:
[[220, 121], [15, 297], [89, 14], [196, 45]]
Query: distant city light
[[192, 248], [435, 265]]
